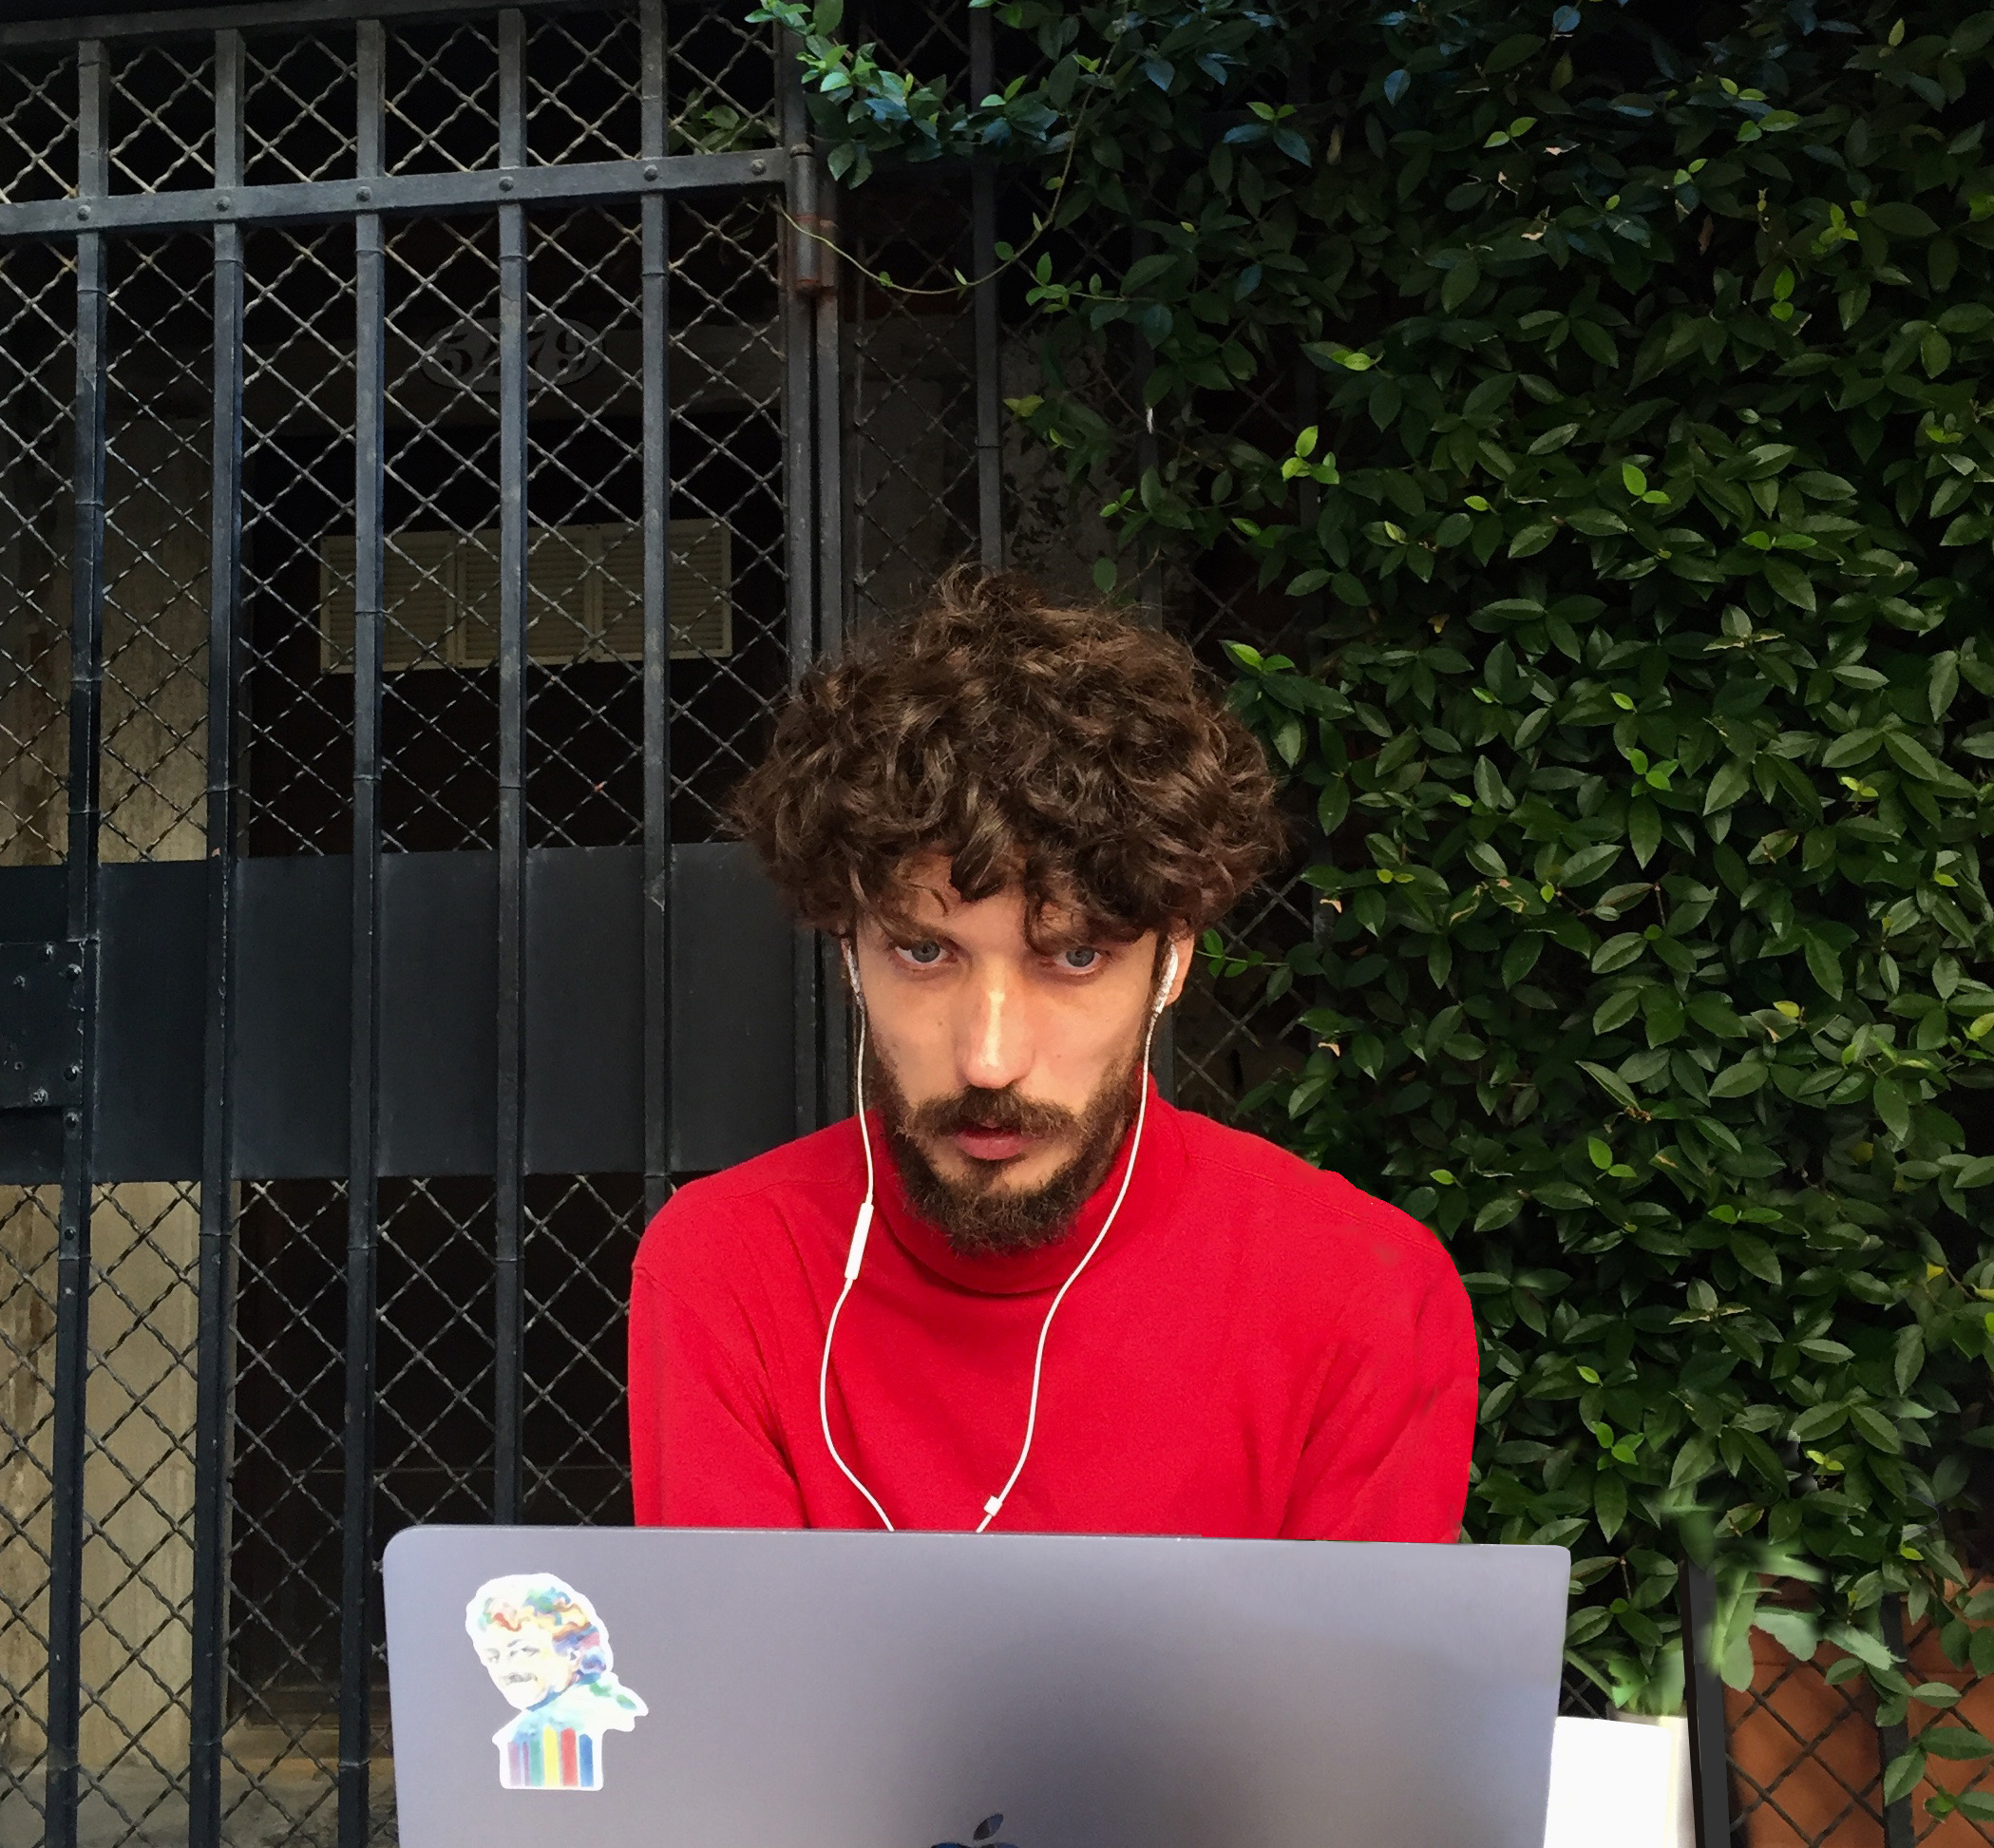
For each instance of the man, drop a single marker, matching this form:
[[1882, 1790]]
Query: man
[[1079, 1310]]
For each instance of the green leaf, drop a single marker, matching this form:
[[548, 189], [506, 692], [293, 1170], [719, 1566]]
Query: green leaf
[[1588, 864], [1609, 1504], [1610, 1083], [1912, 755], [1790, 583], [1908, 1357], [1730, 782], [1954, 1741], [1462, 281], [1903, 1775], [1818, 1422], [1715, 1016], [1902, 219], [1511, 52], [1876, 1429], [1521, 957], [1825, 966], [1892, 1105], [1644, 829], [1532, 539], [1797, 1631], [1740, 1080], [1942, 683], [1616, 952]]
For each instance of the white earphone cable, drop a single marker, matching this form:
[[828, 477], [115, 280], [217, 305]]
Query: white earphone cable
[[853, 1258], [861, 1229]]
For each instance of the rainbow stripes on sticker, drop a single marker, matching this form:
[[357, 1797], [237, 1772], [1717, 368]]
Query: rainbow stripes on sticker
[[551, 1757]]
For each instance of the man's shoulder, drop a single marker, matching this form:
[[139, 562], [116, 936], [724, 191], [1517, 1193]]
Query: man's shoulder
[[1315, 1216], [785, 1186]]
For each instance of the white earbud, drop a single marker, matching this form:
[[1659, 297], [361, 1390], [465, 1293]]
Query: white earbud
[[862, 1226]]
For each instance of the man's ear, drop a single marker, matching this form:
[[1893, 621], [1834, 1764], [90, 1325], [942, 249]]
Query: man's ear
[[1179, 938]]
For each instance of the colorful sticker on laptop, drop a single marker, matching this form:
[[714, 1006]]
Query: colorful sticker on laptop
[[549, 1653]]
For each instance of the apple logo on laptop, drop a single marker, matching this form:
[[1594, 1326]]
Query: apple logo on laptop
[[549, 1653], [981, 1836]]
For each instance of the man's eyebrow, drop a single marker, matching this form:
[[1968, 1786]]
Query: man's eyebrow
[[1076, 933]]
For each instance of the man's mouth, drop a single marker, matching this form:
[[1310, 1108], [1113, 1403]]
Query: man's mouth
[[991, 1144]]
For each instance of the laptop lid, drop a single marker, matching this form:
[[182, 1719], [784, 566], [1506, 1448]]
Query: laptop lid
[[699, 1689]]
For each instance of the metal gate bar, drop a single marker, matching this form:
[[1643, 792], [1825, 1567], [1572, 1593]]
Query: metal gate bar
[[656, 415], [982, 243], [509, 1332], [831, 1063], [214, 1343], [362, 1204], [72, 1301]]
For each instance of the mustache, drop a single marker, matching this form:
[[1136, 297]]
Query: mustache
[[975, 1108]]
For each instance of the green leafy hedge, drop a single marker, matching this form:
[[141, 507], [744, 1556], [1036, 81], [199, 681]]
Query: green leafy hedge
[[1641, 543]]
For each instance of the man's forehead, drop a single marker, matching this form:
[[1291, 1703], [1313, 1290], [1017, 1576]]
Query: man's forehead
[[928, 899]]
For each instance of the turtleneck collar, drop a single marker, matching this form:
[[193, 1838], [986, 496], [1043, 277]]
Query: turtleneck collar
[[1158, 1165]]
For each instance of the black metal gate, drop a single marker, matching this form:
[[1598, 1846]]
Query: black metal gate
[[413, 432]]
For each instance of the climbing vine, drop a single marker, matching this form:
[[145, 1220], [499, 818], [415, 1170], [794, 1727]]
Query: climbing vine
[[1602, 391]]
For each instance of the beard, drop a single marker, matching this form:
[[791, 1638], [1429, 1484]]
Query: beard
[[977, 1217]]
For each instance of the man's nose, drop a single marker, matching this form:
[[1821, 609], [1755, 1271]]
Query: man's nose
[[994, 1048]]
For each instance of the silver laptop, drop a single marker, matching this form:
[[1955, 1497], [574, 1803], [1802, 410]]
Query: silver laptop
[[616, 1687]]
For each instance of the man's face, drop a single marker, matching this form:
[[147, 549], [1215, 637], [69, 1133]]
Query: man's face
[[1005, 1074], [524, 1664]]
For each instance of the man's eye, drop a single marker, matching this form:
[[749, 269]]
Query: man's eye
[[1081, 956], [925, 954]]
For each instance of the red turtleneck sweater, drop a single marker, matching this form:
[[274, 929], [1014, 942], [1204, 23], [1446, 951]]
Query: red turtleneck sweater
[[1257, 1350]]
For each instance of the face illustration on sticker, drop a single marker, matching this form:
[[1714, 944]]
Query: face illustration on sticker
[[549, 1653]]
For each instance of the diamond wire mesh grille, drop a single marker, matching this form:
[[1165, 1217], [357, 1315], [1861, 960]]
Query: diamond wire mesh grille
[[37, 127], [442, 98], [137, 1644], [917, 36], [726, 371], [162, 129], [28, 1238], [581, 96], [37, 326], [297, 473], [282, 1649], [439, 717], [719, 81], [585, 479], [911, 395], [298, 99], [157, 446], [433, 1358], [581, 1237]]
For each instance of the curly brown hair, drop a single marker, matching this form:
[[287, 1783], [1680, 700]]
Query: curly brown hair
[[1069, 752]]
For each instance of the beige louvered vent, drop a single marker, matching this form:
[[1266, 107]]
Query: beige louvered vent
[[584, 596]]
